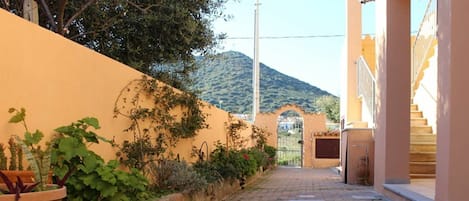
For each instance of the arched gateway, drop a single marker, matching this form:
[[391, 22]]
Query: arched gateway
[[319, 147]]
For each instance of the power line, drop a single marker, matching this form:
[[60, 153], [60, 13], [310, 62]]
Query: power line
[[285, 37], [297, 37]]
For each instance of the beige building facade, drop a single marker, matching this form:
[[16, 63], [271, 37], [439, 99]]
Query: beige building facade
[[396, 92]]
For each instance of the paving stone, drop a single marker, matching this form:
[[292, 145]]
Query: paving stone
[[303, 184]]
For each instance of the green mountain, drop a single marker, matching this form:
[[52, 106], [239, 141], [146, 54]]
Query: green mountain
[[226, 81]]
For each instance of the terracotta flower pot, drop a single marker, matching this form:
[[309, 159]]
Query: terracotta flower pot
[[25, 175], [49, 195]]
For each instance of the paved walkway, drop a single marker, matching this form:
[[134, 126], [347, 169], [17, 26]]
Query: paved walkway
[[295, 184]]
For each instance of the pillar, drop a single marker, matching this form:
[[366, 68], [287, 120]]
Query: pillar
[[392, 134], [351, 110], [453, 101]]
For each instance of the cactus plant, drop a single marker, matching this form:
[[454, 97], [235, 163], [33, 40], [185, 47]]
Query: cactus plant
[[13, 154], [3, 158]]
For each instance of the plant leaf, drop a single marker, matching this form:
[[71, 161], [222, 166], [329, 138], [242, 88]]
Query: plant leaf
[[92, 122], [7, 182], [30, 188], [33, 138], [90, 137], [30, 158], [18, 117], [65, 129]]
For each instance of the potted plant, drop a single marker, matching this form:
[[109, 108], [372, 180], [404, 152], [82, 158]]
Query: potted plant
[[39, 160]]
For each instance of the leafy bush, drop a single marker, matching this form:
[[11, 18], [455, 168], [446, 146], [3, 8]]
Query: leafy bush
[[85, 173], [259, 156], [232, 163], [172, 175], [271, 153], [107, 183], [207, 170]]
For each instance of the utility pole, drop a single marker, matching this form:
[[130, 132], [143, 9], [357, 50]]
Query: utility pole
[[255, 66]]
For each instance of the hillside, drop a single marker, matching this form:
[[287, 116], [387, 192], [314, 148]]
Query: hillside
[[226, 81]]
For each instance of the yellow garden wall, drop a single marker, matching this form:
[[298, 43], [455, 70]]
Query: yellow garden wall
[[59, 81]]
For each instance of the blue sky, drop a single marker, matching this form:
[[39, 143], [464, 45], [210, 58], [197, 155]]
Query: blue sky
[[315, 60]]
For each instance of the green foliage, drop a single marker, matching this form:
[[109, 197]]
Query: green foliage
[[172, 175], [271, 154], [270, 150], [329, 105], [85, 173], [3, 158], [38, 158], [150, 106], [235, 89], [207, 170], [70, 151], [105, 182], [234, 164], [13, 154], [260, 136], [233, 132], [20, 159]]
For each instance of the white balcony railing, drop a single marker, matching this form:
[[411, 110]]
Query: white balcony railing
[[366, 91], [424, 40]]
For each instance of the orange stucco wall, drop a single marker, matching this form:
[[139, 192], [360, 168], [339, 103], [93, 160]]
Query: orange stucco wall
[[59, 81], [313, 123], [368, 52]]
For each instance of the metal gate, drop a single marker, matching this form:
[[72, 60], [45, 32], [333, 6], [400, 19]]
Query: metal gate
[[290, 141]]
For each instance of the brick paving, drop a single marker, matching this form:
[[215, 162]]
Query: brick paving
[[303, 184]]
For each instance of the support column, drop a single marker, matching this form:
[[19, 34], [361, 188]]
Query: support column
[[351, 112], [453, 101], [392, 134]]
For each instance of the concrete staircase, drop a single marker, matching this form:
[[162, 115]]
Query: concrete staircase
[[422, 146]]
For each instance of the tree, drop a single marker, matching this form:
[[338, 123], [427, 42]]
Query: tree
[[330, 106], [145, 34]]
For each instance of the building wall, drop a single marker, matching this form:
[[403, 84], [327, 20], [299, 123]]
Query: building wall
[[426, 93], [368, 52], [59, 81], [313, 123]]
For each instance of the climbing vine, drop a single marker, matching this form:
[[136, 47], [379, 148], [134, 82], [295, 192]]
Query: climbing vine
[[234, 126], [260, 136], [159, 117]]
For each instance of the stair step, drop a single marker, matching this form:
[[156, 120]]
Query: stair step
[[423, 156], [421, 129], [423, 147], [422, 137], [414, 107], [422, 167], [416, 114], [418, 122], [422, 176]]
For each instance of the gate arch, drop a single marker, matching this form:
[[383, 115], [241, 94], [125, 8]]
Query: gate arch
[[312, 123]]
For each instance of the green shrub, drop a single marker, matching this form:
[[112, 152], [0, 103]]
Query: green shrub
[[271, 153], [259, 156], [232, 163], [172, 175], [208, 171], [107, 183]]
